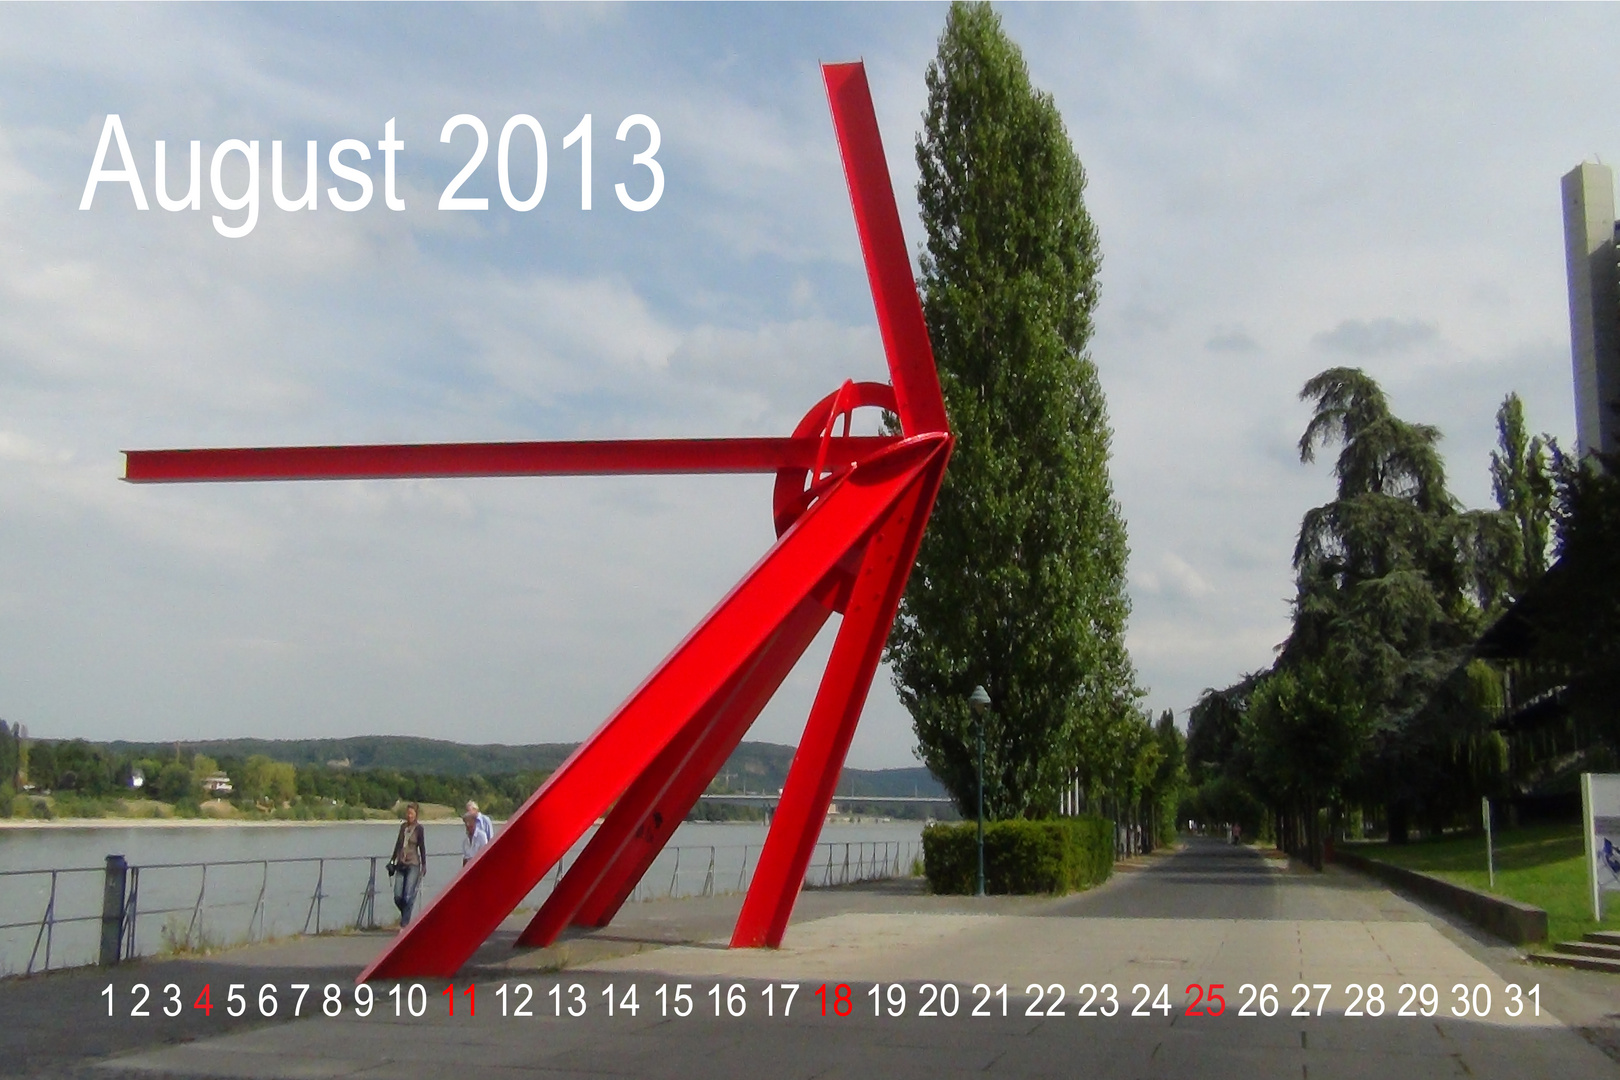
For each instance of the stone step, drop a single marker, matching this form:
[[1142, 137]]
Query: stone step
[[1589, 948], [1603, 937], [1575, 960]]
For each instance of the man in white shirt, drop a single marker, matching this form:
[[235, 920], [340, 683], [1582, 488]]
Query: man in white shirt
[[485, 826], [476, 839]]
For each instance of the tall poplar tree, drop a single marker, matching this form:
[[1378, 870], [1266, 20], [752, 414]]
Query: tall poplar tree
[[1521, 478], [1020, 583]]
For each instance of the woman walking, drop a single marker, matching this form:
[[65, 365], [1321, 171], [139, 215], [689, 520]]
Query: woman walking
[[408, 865]]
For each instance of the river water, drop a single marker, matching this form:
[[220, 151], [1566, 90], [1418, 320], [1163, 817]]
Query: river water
[[269, 880]]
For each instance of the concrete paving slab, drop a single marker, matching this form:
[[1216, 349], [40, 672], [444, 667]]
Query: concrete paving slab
[[1211, 914]]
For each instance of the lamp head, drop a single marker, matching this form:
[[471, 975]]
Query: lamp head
[[979, 699]]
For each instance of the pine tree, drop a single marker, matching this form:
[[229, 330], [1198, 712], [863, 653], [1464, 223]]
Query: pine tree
[[1387, 604], [1382, 575], [1020, 583]]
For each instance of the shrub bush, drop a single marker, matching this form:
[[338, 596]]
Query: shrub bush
[[1058, 855], [74, 805]]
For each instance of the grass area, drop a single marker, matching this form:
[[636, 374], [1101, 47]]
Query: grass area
[[1544, 865]]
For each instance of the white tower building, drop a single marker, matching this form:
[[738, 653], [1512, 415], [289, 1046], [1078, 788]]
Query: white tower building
[[1593, 263]]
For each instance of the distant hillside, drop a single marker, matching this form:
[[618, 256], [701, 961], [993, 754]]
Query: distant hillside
[[404, 753], [755, 766]]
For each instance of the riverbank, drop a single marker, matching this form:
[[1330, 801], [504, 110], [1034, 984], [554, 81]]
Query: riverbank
[[215, 886], [49, 809], [429, 813], [24, 824]]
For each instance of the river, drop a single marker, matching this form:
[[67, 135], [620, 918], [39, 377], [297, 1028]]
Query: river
[[272, 879]]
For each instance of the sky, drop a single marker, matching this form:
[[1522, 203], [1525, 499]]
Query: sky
[[1278, 189]]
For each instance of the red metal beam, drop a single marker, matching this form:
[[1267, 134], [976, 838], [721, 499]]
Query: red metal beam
[[589, 458], [461, 917], [646, 816], [688, 781], [888, 263], [819, 760]]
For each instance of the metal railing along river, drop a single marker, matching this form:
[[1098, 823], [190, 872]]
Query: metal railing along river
[[118, 912]]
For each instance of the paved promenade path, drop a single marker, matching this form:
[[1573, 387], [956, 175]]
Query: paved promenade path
[[1137, 954]]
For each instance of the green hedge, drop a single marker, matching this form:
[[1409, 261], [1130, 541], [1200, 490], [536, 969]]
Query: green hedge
[[1055, 856]]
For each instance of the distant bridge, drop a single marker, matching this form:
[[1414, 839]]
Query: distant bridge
[[771, 799]]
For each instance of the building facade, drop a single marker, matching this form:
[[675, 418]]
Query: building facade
[[1593, 263]]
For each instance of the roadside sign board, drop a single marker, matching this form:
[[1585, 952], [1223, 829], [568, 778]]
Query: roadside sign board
[[1600, 806]]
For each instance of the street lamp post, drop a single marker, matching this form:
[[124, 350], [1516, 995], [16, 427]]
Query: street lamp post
[[980, 702]]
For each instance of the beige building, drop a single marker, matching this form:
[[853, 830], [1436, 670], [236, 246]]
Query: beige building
[[1593, 263]]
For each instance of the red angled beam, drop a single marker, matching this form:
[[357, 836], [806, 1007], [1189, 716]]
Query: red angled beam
[[647, 814], [457, 920], [873, 602], [587, 458], [888, 265]]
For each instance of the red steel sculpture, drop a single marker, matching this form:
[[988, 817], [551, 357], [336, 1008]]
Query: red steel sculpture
[[849, 514]]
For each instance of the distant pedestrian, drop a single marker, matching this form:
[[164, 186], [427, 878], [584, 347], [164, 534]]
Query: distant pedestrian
[[476, 839], [409, 864], [485, 826]]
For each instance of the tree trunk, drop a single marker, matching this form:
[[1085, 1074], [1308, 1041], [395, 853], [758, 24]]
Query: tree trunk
[[1400, 827]]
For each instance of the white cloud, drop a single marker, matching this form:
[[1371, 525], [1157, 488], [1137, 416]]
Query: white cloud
[[1175, 578], [21, 450], [1276, 189]]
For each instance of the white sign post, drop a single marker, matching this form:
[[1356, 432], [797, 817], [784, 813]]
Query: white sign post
[[1490, 856], [1600, 806]]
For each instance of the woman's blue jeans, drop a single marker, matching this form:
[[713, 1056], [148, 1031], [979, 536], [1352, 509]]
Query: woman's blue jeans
[[407, 879]]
